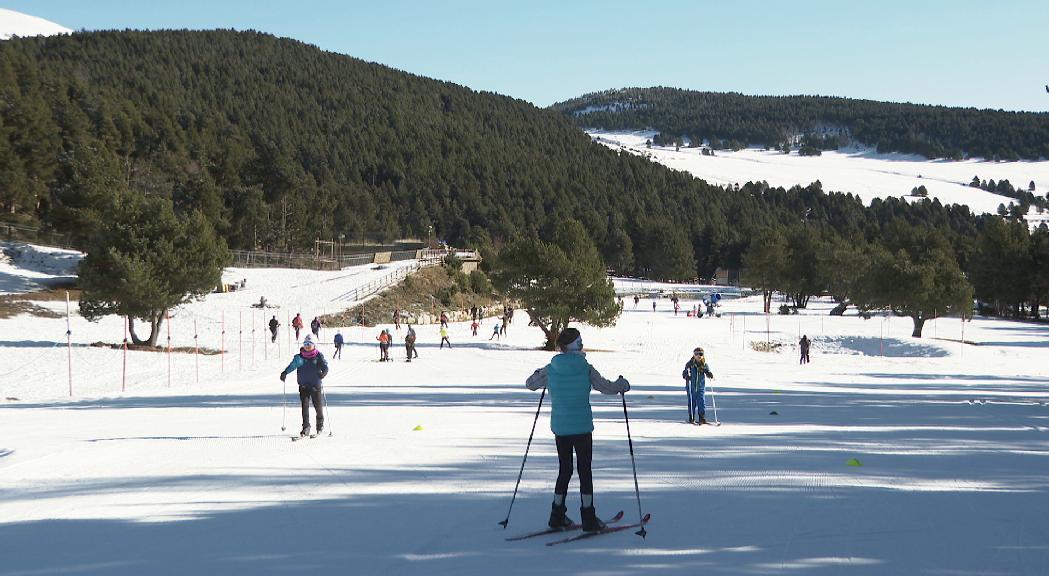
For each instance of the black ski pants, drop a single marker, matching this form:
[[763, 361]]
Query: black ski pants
[[307, 393], [583, 445]]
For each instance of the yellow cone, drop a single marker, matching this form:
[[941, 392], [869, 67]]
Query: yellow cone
[[854, 462], [417, 428]]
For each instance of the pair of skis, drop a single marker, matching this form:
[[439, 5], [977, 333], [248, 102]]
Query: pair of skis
[[577, 526]]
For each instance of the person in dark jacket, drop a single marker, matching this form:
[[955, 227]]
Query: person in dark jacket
[[569, 378], [310, 369], [339, 341], [409, 343], [315, 327], [804, 344], [274, 324], [695, 374]]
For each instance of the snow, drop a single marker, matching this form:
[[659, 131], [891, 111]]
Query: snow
[[28, 267], [195, 477], [864, 173], [18, 24]]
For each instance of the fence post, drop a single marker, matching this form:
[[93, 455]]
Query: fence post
[[123, 374], [168, 318], [69, 347], [196, 351], [222, 345]]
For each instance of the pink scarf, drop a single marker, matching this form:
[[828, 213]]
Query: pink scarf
[[309, 354]]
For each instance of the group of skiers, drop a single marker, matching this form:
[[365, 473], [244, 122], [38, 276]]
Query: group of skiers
[[296, 323], [568, 379]]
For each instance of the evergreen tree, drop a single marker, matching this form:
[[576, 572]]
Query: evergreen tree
[[557, 282], [144, 261], [764, 264]]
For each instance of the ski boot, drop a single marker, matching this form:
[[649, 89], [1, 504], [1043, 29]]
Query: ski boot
[[558, 519], [702, 420], [591, 523], [305, 431]]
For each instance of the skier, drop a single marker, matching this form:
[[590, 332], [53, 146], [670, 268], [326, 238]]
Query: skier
[[315, 327], [444, 320], [473, 327], [274, 324], [506, 320], [339, 341], [296, 323], [569, 378], [397, 318], [695, 375], [473, 313], [495, 332], [804, 344], [409, 343], [653, 305], [444, 337], [310, 369], [636, 300], [384, 345]]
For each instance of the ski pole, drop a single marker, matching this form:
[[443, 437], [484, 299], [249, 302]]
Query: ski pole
[[637, 491], [327, 415], [284, 406], [525, 459], [714, 403]]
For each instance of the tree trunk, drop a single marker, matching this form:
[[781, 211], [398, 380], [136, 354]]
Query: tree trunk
[[839, 310], [155, 320], [919, 322], [551, 333]]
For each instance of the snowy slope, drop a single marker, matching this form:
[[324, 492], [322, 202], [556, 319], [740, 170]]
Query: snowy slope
[[17, 24], [198, 478], [864, 173]]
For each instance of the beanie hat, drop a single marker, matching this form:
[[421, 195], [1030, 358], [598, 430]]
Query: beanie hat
[[307, 340], [570, 340]]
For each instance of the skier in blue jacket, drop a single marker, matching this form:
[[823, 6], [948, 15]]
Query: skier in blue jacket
[[695, 374], [569, 378], [310, 369]]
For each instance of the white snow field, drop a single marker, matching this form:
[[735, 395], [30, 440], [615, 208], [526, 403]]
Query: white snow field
[[18, 24], [864, 173], [199, 478]]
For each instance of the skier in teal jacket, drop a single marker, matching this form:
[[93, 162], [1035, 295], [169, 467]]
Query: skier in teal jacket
[[569, 378]]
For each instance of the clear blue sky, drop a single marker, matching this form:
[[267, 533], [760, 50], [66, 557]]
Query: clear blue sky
[[988, 54]]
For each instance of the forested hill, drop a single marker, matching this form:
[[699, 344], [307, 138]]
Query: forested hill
[[279, 143], [731, 120]]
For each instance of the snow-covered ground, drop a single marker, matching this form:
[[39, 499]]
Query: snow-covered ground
[[198, 478], [18, 24], [864, 173]]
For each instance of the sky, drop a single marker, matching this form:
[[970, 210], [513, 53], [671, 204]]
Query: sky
[[955, 53]]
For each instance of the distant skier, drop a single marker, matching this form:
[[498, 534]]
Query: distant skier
[[569, 378], [339, 341], [473, 313], [310, 369], [409, 343], [444, 320], [315, 327], [473, 327], [695, 375], [384, 345], [444, 338], [653, 305], [397, 318], [274, 325], [804, 345], [495, 332], [636, 300], [296, 323]]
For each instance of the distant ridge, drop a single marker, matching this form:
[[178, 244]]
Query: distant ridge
[[17, 24]]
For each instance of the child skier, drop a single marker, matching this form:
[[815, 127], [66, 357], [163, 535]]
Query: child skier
[[695, 374], [569, 378], [444, 338], [310, 369]]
